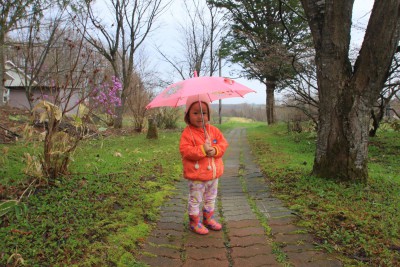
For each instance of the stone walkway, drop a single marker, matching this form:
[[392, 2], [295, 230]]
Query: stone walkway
[[258, 229]]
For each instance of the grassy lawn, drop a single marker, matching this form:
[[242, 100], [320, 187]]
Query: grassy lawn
[[98, 215], [361, 221]]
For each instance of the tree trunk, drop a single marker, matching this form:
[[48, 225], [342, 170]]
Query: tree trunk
[[219, 111], [342, 141], [375, 124], [347, 93], [2, 67], [270, 108], [119, 111], [376, 119]]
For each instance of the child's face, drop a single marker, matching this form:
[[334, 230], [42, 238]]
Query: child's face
[[195, 114]]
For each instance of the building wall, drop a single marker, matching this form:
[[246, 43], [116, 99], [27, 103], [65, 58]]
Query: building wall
[[18, 98]]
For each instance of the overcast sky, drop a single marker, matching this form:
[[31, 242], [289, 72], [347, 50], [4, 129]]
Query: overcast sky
[[167, 35]]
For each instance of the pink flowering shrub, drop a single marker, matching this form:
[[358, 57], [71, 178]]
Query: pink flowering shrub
[[108, 97]]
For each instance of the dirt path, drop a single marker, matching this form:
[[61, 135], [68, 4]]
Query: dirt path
[[246, 209]]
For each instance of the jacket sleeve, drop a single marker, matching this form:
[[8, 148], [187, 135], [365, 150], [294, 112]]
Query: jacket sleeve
[[189, 150], [219, 143]]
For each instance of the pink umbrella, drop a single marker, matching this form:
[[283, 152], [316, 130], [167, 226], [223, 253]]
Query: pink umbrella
[[213, 87]]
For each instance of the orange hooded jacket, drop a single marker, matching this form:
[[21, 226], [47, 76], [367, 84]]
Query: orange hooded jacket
[[196, 165]]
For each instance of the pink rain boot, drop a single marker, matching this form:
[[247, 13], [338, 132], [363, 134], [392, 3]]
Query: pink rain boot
[[209, 221], [196, 226]]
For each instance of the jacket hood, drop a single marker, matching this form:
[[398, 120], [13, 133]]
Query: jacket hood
[[196, 98]]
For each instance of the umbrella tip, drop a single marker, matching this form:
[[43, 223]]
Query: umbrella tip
[[228, 81]]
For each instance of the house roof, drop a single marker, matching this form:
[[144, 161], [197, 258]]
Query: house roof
[[15, 77]]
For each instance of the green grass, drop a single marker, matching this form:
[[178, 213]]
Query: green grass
[[384, 156], [236, 122], [360, 221], [99, 214], [12, 162]]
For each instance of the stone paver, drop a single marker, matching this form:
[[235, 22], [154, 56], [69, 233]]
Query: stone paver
[[243, 197], [161, 251], [247, 231], [195, 241], [206, 263], [251, 251], [245, 241], [242, 224], [258, 260], [160, 261]]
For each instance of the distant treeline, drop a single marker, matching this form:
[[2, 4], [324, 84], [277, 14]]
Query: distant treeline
[[257, 112]]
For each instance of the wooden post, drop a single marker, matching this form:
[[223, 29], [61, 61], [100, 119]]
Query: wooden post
[[152, 133]]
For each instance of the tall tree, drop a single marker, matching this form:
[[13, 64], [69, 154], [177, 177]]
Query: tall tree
[[347, 92], [264, 39], [144, 82], [119, 39], [201, 33], [388, 93], [302, 90]]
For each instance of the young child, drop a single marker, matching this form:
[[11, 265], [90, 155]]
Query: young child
[[202, 147]]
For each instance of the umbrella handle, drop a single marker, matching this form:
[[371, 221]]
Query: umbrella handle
[[208, 139], [203, 124], [202, 118]]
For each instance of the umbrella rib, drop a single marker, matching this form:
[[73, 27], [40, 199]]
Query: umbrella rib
[[177, 101], [240, 94], [209, 98]]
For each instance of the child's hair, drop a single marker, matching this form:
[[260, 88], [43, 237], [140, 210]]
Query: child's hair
[[187, 118]]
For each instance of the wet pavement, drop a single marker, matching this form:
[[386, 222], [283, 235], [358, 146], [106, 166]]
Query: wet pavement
[[258, 230]]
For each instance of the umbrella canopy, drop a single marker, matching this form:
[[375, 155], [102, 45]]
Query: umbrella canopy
[[213, 87]]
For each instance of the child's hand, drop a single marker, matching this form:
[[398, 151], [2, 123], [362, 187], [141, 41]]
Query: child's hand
[[210, 151], [207, 146]]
